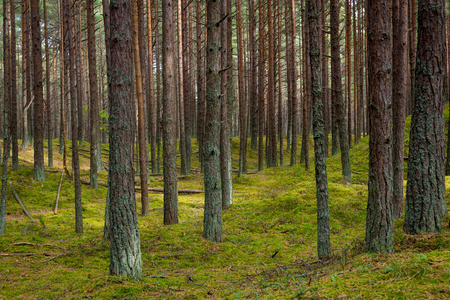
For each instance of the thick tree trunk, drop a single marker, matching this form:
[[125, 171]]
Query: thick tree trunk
[[425, 191], [125, 243], [39, 174], [169, 115], [323, 213], [212, 223], [337, 97], [399, 95], [379, 220]]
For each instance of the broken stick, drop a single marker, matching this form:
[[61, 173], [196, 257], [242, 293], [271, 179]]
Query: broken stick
[[21, 204], [55, 211]]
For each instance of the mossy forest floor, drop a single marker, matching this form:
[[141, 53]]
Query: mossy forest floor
[[268, 249]]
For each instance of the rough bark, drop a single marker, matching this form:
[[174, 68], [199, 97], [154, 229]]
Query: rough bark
[[425, 191], [337, 97], [169, 115], [323, 213], [280, 86], [399, 95], [379, 220], [212, 223], [39, 174], [125, 247]]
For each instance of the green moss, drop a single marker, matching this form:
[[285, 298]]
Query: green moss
[[269, 241]]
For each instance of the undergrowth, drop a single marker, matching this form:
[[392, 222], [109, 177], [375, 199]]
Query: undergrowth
[[268, 250]]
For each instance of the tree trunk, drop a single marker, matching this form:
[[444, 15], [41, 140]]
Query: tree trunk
[[150, 95], [294, 101], [6, 98], [304, 154], [273, 161], [73, 104], [253, 92], [399, 95], [95, 150], [280, 86], [336, 87], [142, 137], [200, 82], [26, 69], [212, 224], [125, 243], [242, 100], [379, 221], [13, 99], [261, 87], [181, 111], [169, 115], [323, 213], [425, 191], [348, 70], [39, 174], [225, 147]]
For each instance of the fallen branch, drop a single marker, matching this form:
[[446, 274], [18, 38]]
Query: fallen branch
[[38, 245], [25, 254], [55, 211], [21, 204], [150, 189]]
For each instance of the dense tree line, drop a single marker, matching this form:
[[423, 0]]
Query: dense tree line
[[263, 71]]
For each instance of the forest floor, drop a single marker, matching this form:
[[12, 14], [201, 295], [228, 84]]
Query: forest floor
[[268, 249]]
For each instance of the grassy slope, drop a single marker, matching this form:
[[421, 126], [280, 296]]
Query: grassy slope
[[269, 248]]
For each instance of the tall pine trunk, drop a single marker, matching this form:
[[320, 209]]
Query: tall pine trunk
[[169, 114], [125, 245], [425, 191], [39, 169], [379, 221], [212, 223]]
